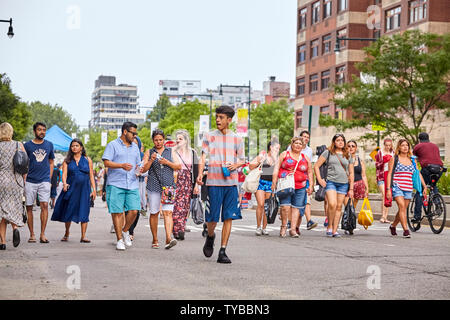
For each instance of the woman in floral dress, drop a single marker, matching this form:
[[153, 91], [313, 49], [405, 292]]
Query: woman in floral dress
[[185, 182]]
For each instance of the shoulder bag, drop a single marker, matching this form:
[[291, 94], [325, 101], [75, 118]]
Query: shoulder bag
[[320, 194], [251, 182], [286, 185], [168, 192], [20, 161]]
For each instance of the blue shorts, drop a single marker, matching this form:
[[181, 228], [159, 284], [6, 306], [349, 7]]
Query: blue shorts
[[53, 192], [120, 200], [380, 183], [296, 200], [397, 192], [223, 203], [265, 185], [341, 188]]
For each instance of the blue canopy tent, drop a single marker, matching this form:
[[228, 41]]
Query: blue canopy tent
[[60, 139]]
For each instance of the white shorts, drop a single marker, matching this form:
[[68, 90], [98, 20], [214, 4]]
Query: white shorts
[[154, 199], [42, 190]]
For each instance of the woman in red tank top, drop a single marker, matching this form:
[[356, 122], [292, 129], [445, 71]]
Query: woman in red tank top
[[293, 205]]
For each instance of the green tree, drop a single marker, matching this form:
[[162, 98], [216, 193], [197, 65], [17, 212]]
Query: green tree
[[160, 110], [276, 115], [413, 70], [183, 116], [94, 148], [51, 115], [12, 110]]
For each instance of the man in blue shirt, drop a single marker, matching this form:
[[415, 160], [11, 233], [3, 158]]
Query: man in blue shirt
[[40, 153], [122, 158]]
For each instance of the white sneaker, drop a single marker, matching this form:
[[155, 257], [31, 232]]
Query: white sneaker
[[265, 232], [258, 231], [126, 238], [120, 245]]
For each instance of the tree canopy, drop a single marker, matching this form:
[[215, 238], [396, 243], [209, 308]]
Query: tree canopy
[[412, 70]]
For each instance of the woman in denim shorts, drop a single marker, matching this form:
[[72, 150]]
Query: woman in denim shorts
[[400, 178], [264, 191], [339, 181], [293, 205]]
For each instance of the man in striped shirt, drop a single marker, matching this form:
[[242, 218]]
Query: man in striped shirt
[[226, 153]]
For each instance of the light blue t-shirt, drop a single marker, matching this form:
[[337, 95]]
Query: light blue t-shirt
[[116, 151]]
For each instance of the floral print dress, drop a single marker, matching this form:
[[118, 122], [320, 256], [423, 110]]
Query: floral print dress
[[183, 195]]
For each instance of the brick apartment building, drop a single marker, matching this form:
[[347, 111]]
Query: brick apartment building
[[319, 22]]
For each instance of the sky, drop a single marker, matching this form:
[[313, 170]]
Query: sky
[[60, 47]]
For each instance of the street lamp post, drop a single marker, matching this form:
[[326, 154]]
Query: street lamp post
[[10, 29], [249, 104]]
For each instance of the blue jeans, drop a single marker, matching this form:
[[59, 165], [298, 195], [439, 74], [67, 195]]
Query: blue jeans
[[296, 200]]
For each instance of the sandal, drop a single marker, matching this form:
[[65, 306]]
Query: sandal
[[155, 245], [32, 240], [44, 241], [293, 235], [65, 238], [85, 240], [283, 234]]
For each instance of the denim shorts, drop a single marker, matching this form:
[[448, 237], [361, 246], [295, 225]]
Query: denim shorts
[[397, 192], [341, 188], [380, 183], [296, 200], [265, 186]]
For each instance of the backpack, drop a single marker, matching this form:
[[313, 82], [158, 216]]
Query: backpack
[[20, 161]]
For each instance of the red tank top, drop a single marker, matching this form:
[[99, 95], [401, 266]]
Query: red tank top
[[300, 175]]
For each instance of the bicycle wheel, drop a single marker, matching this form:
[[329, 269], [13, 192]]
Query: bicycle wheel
[[438, 213], [413, 226]]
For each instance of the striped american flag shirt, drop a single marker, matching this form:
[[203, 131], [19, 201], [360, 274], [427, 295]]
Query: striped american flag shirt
[[403, 177]]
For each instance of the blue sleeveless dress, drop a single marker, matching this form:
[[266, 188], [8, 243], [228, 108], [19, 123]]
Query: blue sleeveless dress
[[74, 205]]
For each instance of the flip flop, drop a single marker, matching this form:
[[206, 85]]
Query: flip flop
[[65, 239], [31, 240], [155, 245], [85, 241], [44, 241]]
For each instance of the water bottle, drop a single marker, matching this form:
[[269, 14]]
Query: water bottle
[[425, 201]]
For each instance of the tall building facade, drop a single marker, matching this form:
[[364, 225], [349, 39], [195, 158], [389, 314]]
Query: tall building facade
[[175, 89], [320, 22], [112, 104]]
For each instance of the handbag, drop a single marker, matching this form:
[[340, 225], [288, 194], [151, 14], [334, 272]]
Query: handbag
[[20, 161], [271, 207], [417, 183], [286, 185], [319, 195], [348, 221], [196, 211], [251, 182], [168, 192], [365, 217]]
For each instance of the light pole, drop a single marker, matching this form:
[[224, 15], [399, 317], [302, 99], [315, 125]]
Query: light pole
[[10, 29], [249, 104]]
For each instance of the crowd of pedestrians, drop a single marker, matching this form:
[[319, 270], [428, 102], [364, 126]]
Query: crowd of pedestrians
[[163, 180]]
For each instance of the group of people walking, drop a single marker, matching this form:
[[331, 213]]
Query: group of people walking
[[168, 178]]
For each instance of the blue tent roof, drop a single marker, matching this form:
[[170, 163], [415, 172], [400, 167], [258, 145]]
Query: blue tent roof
[[61, 140]]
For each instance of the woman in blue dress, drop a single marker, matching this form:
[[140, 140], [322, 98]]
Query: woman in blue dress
[[73, 204]]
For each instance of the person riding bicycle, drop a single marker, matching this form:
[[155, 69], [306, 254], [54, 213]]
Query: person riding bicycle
[[430, 160]]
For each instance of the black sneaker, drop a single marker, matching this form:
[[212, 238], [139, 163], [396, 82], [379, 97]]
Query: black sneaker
[[181, 236], [208, 248], [223, 258]]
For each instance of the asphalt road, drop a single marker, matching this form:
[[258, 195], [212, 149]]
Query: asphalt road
[[369, 265]]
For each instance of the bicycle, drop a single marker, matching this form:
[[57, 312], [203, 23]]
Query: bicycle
[[435, 211]]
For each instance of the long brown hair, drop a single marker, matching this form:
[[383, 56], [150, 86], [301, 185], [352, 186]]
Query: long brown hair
[[70, 154], [399, 143], [332, 147], [389, 139]]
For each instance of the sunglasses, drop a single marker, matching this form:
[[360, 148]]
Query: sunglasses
[[133, 133]]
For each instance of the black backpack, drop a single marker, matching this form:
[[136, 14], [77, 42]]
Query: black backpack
[[20, 161]]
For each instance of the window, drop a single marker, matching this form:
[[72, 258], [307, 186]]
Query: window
[[314, 48], [417, 10], [342, 33], [300, 86], [326, 44], [340, 75], [298, 119], [302, 53], [315, 12], [302, 19], [327, 5], [325, 80], [313, 82], [342, 5], [324, 109], [393, 18]]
